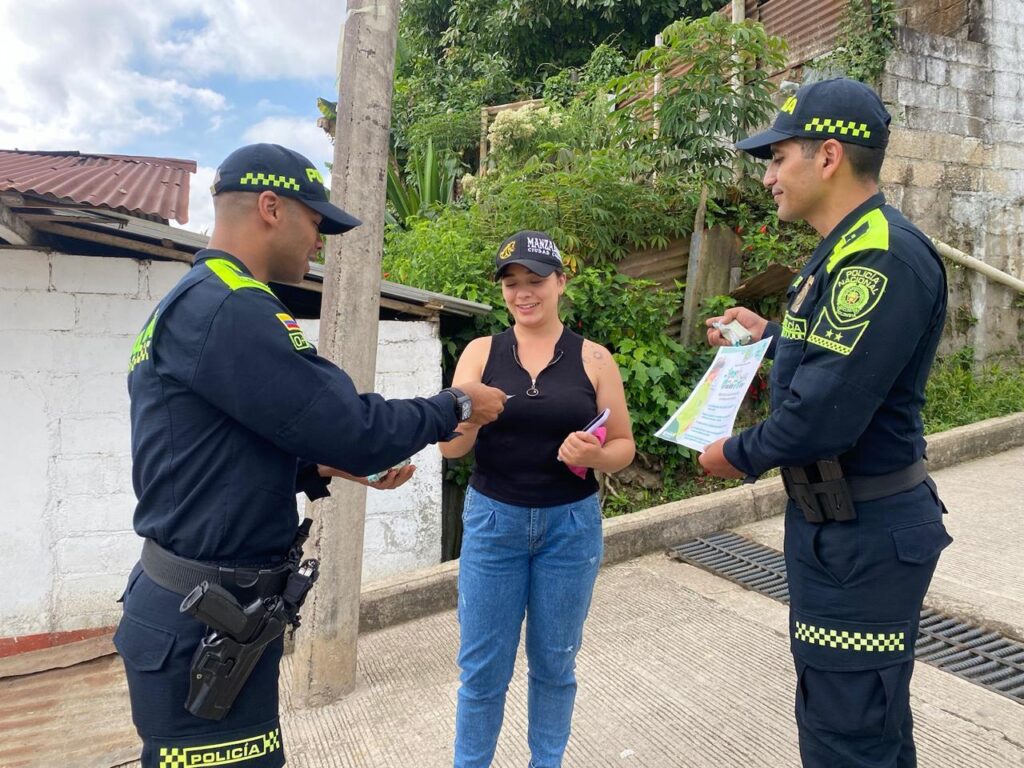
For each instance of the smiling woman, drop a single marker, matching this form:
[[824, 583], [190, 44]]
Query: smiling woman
[[533, 472]]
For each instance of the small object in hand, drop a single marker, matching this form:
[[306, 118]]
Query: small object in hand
[[598, 430], [376, 477], [734, 333]]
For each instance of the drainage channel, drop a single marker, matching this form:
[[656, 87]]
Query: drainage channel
[[974, 653]]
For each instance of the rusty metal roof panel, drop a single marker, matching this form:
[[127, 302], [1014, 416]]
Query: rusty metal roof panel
[[152, 186], [810, 28]]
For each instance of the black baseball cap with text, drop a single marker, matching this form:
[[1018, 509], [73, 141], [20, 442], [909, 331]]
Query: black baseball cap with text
[[262, 167], [841, 109], [534, 250]]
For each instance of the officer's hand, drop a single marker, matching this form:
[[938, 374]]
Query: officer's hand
[[488, 402], [714, 462], [753, 322], [390, 481], [394, 478]]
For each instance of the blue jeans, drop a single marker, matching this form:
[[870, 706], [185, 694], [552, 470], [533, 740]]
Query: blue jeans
[[541, 562]]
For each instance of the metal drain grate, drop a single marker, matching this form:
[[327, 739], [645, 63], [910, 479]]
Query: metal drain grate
[[982, 656]]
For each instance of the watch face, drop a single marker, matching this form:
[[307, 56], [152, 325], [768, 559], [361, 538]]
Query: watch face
[[467, 409]]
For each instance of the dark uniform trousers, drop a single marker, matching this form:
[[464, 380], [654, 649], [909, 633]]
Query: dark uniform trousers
[[156, 643], [856, 589]]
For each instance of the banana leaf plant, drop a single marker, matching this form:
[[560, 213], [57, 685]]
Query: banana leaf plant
[[428, 184]]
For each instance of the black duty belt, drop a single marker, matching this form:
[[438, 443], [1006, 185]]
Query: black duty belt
[[824, 493], [181, 575]]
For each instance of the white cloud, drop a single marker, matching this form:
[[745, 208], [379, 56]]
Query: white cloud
[[260, 39], [97, 74], [72, 76], [299, 133], [200, 203]]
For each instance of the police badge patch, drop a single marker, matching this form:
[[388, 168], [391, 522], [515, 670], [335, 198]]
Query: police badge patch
[[856, 292]]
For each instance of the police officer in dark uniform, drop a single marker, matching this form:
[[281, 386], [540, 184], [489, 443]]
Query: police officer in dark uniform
[[852, 354], [232, 414]]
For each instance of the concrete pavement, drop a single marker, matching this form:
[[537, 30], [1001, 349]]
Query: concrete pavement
[[681, 668], [678, 667], [980, 577]]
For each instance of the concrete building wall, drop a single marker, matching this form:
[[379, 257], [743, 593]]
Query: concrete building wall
[[403, 527], [955, 164], [66, 327]]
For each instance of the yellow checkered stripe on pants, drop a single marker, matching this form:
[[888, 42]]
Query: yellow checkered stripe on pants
[[228, 753], [882, 642], [269, 180], [842, 127]]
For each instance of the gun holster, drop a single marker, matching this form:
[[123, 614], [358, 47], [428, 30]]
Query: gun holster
[[239, 634]]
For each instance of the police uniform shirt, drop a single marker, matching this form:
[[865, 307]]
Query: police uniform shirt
[[852, 354], [226, 393]]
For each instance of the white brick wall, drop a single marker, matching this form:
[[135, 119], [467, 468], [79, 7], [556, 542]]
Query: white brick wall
[[25, 269], [66, 328], [403, 527]]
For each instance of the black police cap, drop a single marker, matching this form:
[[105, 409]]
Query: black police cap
[[261, 167], [841, 109]]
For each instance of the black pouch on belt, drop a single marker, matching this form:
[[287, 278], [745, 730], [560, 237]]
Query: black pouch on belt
[[820, 490]]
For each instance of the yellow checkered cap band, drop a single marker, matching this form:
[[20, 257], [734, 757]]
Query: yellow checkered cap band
[[838, 127], [269, 180], [881, 642]]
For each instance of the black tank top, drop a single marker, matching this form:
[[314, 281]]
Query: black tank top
[[517, 455]]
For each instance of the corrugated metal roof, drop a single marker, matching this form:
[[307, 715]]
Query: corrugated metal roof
[[808, 33], [153, 186]]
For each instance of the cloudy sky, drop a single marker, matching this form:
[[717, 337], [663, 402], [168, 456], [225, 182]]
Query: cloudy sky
[[172, 78]]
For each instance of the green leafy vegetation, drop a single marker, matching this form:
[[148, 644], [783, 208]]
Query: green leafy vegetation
[[962, 391], [866, 38], [618, 143]]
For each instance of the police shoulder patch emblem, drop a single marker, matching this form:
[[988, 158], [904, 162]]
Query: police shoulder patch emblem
[[295, 334], [855, 292]]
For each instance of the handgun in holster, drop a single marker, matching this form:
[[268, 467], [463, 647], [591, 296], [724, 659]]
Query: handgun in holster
[[239, 634]]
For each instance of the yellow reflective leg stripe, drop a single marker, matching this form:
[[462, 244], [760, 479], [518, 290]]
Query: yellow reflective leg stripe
[[228, 753], [844, 640]]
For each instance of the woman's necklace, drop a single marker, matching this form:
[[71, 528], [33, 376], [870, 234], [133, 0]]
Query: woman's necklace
[[533, 391]]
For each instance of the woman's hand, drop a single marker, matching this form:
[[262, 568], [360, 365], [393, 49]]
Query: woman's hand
[[391, 480], [580, 449]]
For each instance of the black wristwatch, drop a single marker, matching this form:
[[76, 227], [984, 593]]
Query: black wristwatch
[[463, 403]]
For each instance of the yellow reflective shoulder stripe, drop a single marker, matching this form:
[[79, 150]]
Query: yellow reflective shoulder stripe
[[871, 232], [140, 349], [233, 278]]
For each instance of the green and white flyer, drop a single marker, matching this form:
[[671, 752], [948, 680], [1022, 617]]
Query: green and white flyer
[[710, 411]]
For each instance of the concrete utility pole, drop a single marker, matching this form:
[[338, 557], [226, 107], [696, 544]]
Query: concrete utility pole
[[325, 650]]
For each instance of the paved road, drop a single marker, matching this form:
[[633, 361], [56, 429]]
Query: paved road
[[681, 668]]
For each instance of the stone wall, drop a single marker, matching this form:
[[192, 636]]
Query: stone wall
[[955, 164], [66, 327]]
